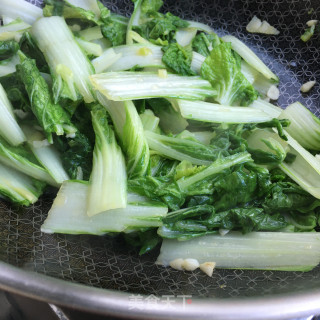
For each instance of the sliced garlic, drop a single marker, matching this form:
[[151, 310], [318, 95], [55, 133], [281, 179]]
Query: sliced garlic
[[190, 264], [254, 24], [258, 26], [311, 23], [273, 93], [306, 87], [207, 268], [176, 264]]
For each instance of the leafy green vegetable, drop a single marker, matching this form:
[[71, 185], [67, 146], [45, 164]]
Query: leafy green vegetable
[[46, 155], [22, 159], [51, 117], [15, 91], [287, 197], [76, 155], [171, 121], [163, 189], [64, 57], [181, 149], [145, 240], [250, 57], [216, 113], [160, 27], [149, 121], [120, 86], [305, 126], [13, 30], [186, 223], [114, 29], [178, 59], [8, 48], [21, 9], [161, 167], [151, 5], [224, 73], [266, 147], [107, 184], [68, 213], [31, 50], [9, 128], [130, 131], [67, 10], [203, 43], [18, 187]]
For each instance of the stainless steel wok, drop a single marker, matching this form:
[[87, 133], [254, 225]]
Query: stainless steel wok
[[103, 275]]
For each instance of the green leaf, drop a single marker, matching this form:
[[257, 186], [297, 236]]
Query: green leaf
[[160, 26], [171, 121], [164, 189], [51, 117], [178, 59], [285, 197], [68, 11], [114, 30], [223, 72], [151, 5], [8, 49], [203, 43], [31, 50]]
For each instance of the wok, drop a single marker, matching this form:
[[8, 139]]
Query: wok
[[104, 275]]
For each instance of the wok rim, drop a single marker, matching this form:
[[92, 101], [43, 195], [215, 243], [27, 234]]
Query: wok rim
[[115, 303]]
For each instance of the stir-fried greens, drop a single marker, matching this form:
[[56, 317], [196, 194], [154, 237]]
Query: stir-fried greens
[[156, 127]]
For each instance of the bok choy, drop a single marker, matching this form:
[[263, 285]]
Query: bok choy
[[155, 127]]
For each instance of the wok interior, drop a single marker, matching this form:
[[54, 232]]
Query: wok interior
[[106, 262]]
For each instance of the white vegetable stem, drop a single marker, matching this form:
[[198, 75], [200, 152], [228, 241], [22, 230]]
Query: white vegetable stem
[[91, 5], [89, 34], [134, 21], [139, 54], [108, 180], [184, 36], [47, 155], [272, 110], [9, 66], [250, 57], [255, 250], [211, 112], [304, 170], [17, 186], [66, 60], [9, 128], [304, 127], [90, 48], [129, 129], [128, 56], [120, 86], [68, 213], [13, 30], [200, 26], [20, 9], [165, 146], [197, 61]]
